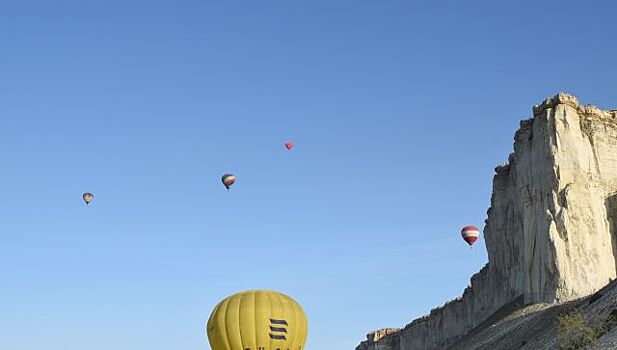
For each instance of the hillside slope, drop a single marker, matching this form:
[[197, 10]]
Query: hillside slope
[[533, 327]]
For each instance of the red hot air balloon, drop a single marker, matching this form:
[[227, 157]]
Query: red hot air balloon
[[289, 145], [470, 234]]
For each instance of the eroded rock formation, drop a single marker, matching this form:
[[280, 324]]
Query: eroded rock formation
[[551, 228]]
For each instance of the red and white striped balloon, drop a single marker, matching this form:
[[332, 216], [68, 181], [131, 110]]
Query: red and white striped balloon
[[470, 234]]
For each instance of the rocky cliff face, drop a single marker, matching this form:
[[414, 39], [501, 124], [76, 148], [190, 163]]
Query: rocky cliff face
[[551, 228]]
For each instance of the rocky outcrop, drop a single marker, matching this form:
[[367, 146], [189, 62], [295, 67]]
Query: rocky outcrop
[[376, 335], [551, 228], [375, 339]]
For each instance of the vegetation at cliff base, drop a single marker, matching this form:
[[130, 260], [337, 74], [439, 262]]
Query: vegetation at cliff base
[[573, 332]]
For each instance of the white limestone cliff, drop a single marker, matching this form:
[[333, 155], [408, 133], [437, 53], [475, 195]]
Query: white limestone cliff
[[551, 228]]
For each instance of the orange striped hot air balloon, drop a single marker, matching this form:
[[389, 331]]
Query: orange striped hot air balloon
[[228, 180], [88, 197], [470, 234]]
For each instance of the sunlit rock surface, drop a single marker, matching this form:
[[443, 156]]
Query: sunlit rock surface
[[551, 227]]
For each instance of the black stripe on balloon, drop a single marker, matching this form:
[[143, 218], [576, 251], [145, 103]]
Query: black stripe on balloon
[[278, 329], [277, 337], [273, 321]]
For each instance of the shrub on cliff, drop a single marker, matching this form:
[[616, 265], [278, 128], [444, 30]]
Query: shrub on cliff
[[573, 332]]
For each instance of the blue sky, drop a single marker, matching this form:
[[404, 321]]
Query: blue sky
[[399, 110]]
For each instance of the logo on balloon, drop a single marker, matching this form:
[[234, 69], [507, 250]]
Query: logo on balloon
[[278, 329]]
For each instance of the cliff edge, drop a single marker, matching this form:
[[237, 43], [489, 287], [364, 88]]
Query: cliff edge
[[551, 232]]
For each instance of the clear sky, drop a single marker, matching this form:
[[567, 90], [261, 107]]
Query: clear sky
[[399, 110]]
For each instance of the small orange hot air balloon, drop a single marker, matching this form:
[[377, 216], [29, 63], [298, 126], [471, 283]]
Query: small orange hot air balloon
[[228, 180], [289, 145], [88, 197]]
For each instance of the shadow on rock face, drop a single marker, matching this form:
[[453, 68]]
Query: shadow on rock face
[[611, 215]]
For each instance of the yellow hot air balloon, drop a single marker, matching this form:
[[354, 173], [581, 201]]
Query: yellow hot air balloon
[[257, 320]]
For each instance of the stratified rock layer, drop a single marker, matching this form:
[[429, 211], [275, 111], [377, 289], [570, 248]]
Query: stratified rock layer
[[551, 228]]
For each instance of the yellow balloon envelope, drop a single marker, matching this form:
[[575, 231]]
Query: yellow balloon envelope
[[257, 320]]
